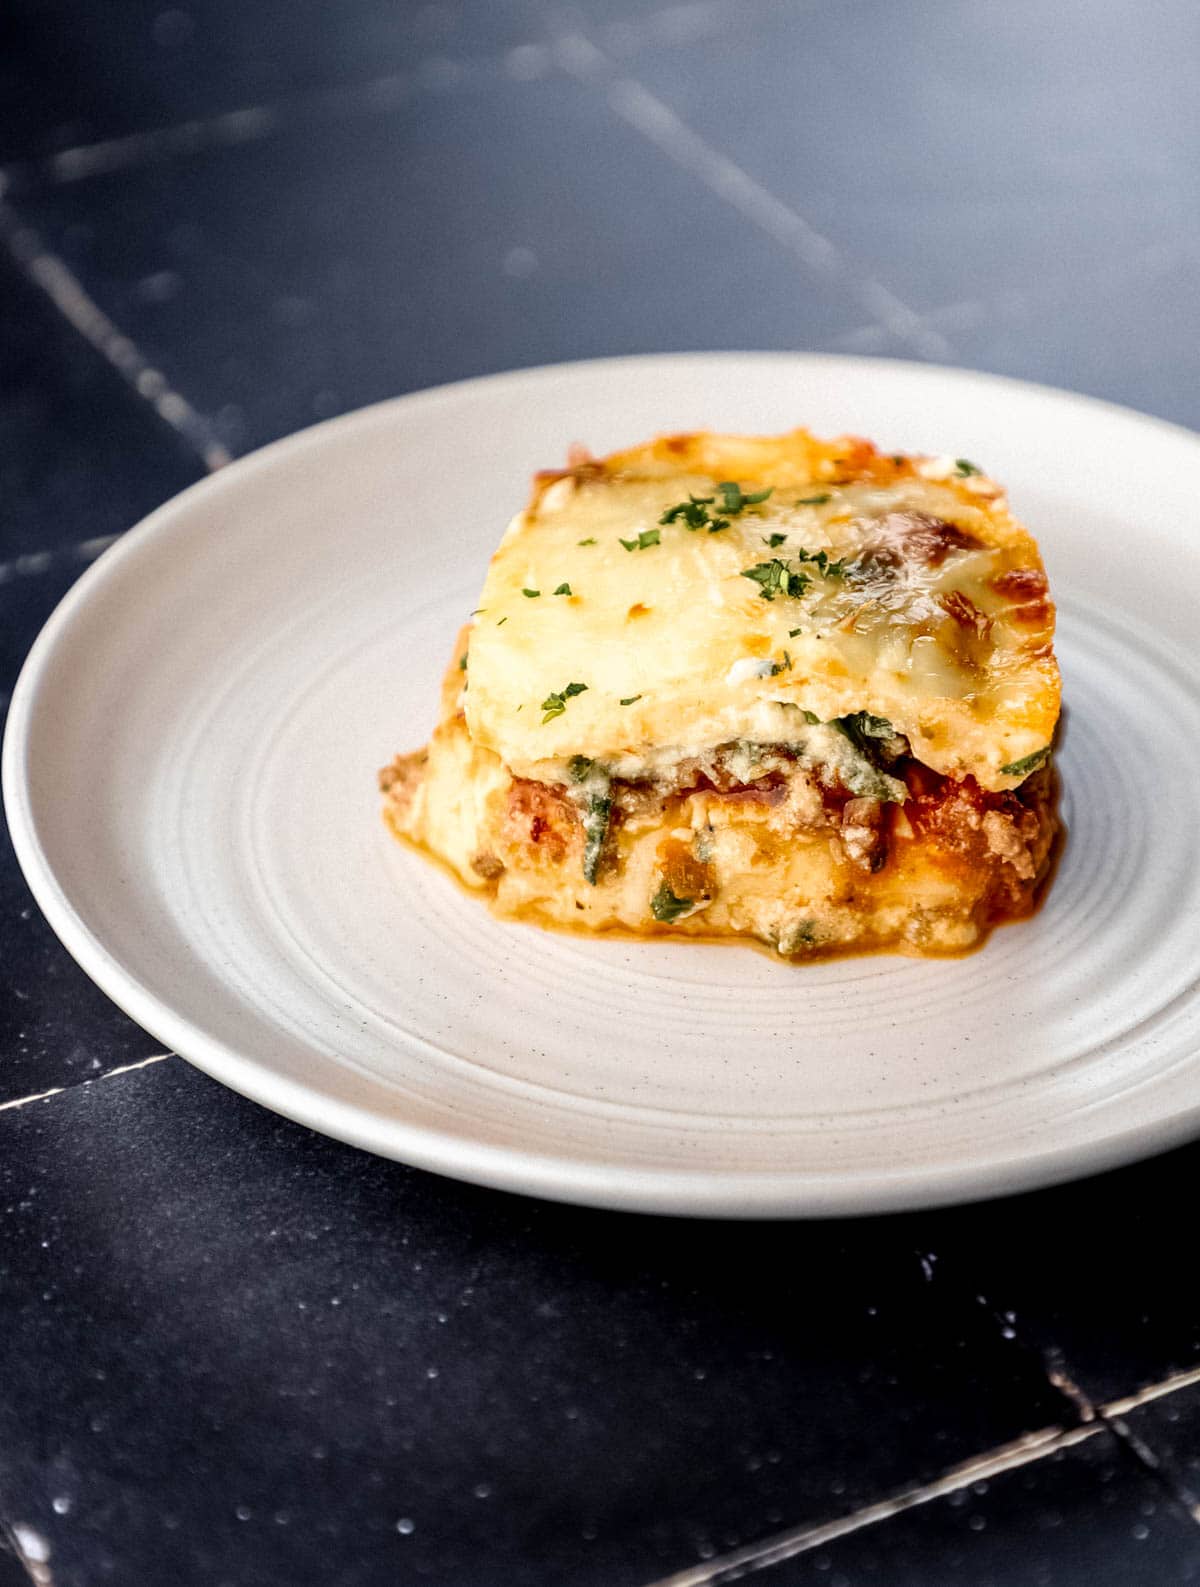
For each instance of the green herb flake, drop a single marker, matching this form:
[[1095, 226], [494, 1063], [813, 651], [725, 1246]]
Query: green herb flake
[[631, 699], [781, 666], [814, 501], [500, 622], [462, 662], [811, 718], [694, 512], [821, 561], [774, 540], [563, 589], [963, 467], [555, 704], [735, 500], [590, 541], [792, 632], [666, 907], [1028, 763], [579, 767], [776, 578], [531, 595], [647, 537]]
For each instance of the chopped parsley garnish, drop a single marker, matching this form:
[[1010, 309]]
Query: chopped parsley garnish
[[776, 578], [694, 514], [821, 561], [647, 537], [631, 699], [1027, 763], [963, 467], [500, 622], [792, 632], [781, 666], [555, 704], [735, 500], [579, 766], [563, 589], [462, 662], [666, 907], [814, 501], [774, 540], [590, 541], [530, 594]]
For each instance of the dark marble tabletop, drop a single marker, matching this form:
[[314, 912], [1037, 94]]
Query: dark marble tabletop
[[235, 1354]]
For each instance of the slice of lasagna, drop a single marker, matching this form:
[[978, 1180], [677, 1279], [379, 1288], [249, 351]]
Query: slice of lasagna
[[777, 688]]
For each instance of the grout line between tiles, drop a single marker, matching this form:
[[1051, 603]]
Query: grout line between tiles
[[787, 1545], [34, 1096], [1146, 1458], [253, 123], [1124, 271], [49, 274], [35, 562], [18, 1540], [634, 104], [1109, 1415], [1155, 1391], [91, 1080], [670, 26]]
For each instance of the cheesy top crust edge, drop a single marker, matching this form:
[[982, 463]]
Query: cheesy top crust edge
[[640, 611]]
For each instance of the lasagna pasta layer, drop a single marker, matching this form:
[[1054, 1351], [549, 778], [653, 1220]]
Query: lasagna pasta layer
[[777, 688]]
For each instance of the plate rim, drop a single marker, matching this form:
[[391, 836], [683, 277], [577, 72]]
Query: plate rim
[[688, 1192]]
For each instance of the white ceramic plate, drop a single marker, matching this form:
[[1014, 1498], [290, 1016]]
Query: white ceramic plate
[[189, 775]]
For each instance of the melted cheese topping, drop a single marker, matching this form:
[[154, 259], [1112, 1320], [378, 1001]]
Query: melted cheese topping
[[935, 615]]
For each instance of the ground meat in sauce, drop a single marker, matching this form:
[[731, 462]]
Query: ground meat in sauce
[[487, 865], [540, 816], [957, 816], [961, 816], [864, 834], [400, 779]]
